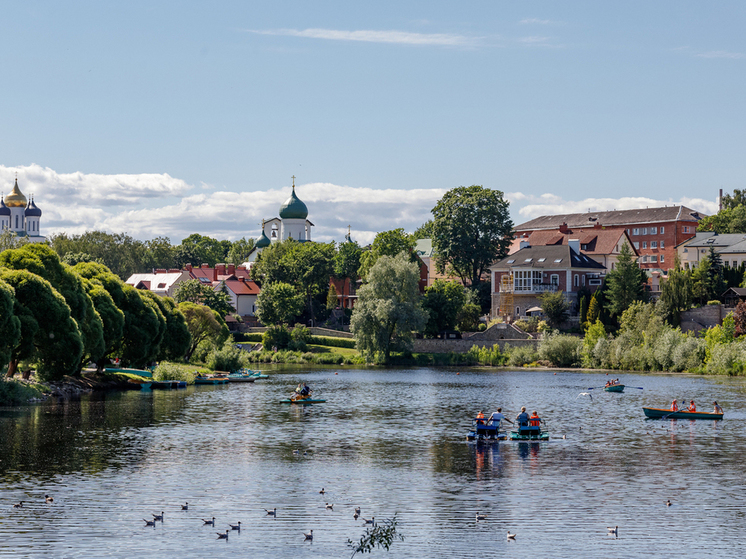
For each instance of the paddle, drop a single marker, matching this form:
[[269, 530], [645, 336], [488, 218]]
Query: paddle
[[595, 387], [638, 387]]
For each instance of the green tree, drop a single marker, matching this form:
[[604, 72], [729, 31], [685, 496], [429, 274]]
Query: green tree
[[424, 231], [555, 307], [8, 240], [10, 324], [471, 230], [593, 333], [583, 309], [677, 294], [443, 301], [49, 335], [204, 324], [594, 310], [121, 253], [625, 283], [41, 260], [468, 317], [388, 308], [278, 303], [159, 253], [347, 261], [198, 249], [240, 250], [112, 317], [332, 302], [178, 340], [158, 306], [387, 243], [194, 291]]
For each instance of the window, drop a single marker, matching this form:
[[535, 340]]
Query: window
[[662, 230], [654, 258], [644, 230], [637, 245], [653, 230], [528, 260], [161, 285], [518, 311], [663, 258], [635, 231], [542, 259], [644, 244], [653, 244], [583, 280], [524, 279], [685, 249], [662, 246], [644, 259], [557, 260], [685, 229], [554, 279], [576, 282], [511, 261], [16, 222]]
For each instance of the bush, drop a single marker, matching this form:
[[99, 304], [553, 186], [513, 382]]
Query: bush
[[227, 358], [482, 327], [14, 391], [299, 337], [176, 371], [727, 359], [561, 350], [276, 337], [328, 341], [521, 355], [486, 355], [530, 324]]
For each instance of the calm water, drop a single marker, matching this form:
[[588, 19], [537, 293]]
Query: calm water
[[389, 442]]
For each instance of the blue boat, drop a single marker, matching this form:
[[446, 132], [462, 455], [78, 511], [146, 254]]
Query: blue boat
[[484, 430]]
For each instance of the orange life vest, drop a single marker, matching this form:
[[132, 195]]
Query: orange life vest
[[534, 421]]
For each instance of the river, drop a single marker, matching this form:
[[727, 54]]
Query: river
[[391, 442]]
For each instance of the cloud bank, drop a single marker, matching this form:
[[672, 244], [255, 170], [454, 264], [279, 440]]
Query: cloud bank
[[373, 36], [150, 205]]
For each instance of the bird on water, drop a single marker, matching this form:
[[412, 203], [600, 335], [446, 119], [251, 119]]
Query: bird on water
[[272, 512], [209, 522], [223, 536], [309, 535]]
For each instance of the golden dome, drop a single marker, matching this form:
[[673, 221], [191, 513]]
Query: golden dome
[[16, 199]]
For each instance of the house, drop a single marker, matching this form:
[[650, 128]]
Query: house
[[237, 280], [599, 243], [731, 247], [161, 281], [733, 296], [654, 232], [520, 278]]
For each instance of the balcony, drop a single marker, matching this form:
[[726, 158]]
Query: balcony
[[534, 288]]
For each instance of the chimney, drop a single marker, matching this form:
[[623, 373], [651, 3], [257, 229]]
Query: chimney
[[231, 269], [205, 266], [564, 228], [597, 225], [220, 269], [574, 244], [524, 242], [188, 267]]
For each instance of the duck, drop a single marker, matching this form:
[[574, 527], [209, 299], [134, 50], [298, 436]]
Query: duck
[[272, 512], [223, 536], [481, 517], [236, 526], [322, 491], [309, 535], [158, 516], [209, 522], [149, 522], [18, 505], [614, 530], [185, 506], [355, 516], [48, 499], [511, 536], [371, 520], [296, 452], [357, 511], [668, 503], [329, 507]]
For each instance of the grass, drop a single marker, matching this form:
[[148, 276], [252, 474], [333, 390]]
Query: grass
[[168, 370], [327, 349], [14, 391]]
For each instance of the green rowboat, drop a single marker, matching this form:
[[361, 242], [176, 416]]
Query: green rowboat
[[614, 388], [656, 413]]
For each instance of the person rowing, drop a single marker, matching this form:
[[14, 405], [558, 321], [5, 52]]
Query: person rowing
[[674, 406], [301, 392], [522, 418], [692, 407], [497, 417]]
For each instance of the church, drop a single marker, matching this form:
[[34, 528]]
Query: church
[[21, 216], [293, 223]]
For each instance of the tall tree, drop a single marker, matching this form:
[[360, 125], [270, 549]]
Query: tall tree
[[347, 260], [10, 324], [240, 250], [443, 301], [625, 283], [121, 253], [555, 307], [677, 294], [49, 335], [387, 243], [424, 231], [471, 229], [204, 324], [388, 308], [159, 253], [279, 303], [199, 249], [194, 291]]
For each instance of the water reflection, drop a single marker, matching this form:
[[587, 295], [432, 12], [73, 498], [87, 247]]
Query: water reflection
[[387, 441]]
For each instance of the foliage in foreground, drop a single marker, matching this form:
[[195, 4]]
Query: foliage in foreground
[[380, 535], [18, 392]]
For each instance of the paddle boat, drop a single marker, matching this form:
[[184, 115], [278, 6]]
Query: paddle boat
[[483, 430], [528, 432], [254, 374], [657, 413], [240, 377], [302, 400]]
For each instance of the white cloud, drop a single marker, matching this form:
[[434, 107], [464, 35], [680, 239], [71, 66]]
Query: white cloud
[[374, 36], [721, 54], [150, 205]]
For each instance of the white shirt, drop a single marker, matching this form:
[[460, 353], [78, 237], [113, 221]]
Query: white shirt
[[496, 417]]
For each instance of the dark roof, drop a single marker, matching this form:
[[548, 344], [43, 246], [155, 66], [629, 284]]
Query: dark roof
[[32, 210], [546, 257], [740, 291], [4, 210], [616, 217]]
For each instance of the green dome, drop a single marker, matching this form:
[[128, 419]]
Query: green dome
[[293, 208], [263, 241]]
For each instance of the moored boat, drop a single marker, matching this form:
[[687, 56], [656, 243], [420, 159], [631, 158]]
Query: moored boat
[[240, 377], [211, 380], [614, 388], [657, 413]]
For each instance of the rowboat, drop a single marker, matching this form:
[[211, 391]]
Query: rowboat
[[303, 401], [614, 388], [168, 384], [137, 383], [240, 377], [656, 413], [211, 380]]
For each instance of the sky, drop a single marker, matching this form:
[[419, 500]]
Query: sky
[[169, 118]]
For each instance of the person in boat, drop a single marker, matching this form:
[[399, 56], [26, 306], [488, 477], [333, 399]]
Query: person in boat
[[717, 409], [497, 417], [522, 418], [480, 418], [608, 383], [674, 406], [301, 392], [692, 407], [534, 420]]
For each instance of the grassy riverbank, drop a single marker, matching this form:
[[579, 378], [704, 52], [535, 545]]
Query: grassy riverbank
[[16, 391]]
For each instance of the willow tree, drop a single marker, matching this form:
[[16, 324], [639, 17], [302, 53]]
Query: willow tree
[[10, 324], [49, 335], [388, 308]]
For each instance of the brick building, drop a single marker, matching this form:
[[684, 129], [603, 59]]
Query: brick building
[[654, 232]]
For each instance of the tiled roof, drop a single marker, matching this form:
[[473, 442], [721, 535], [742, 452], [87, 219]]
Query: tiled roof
[[424, 248], [592, 241], [241, 287], [168, 279], [552, 257], [616, 217]]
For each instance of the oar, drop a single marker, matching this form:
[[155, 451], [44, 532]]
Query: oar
[[595, 387], [638, 387]]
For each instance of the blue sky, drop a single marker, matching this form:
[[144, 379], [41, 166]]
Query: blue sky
[[175, 117]]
